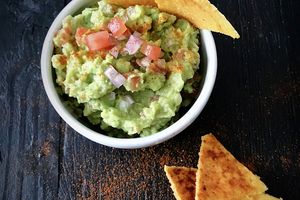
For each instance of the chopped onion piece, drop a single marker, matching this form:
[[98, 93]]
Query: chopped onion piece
[[134, 43], [137, 34], [131, 11], [125, 102], [144, 62], [118, 81], [110, 72], [114, 52], [114, 76]]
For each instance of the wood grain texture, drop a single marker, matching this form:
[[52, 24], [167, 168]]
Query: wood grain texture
[[253, 111]]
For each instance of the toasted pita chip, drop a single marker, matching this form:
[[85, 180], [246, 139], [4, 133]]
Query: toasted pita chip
[[220, 176], [201, 13], [127, 3], [182, 180]]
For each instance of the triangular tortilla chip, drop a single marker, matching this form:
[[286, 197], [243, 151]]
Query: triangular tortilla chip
[[201, 13], [221, 177], [263, 197], [182, 177], [182, 180], [127, 3]]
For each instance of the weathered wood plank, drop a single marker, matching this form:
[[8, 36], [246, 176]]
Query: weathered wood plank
[[29, 139], [254, 111], [93, 171]]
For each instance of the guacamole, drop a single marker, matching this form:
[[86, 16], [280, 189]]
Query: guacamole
[[126, 68]]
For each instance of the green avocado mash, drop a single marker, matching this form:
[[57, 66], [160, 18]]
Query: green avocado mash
[[121, 86]]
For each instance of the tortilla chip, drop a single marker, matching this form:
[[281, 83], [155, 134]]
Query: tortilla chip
[[220, 176], [182, 177], [262, 197], [201, 13], [182, 180], [127, 3]]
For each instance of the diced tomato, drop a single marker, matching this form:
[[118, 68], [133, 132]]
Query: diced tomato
[[99, 40], [80, 31], [151, 51], [79, 34], [117, 26]]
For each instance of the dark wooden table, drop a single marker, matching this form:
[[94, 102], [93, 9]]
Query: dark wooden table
[[253, 110]]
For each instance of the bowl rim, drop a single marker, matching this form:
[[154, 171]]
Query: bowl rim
[[207, 43]]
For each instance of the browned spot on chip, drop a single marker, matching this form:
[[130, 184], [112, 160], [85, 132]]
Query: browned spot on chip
[[182, 181]]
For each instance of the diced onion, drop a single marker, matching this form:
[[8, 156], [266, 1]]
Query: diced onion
[[114, 52], [144, 62], [125, 102], [134, 43], [114, 76], [110, 72], [137, 34], [118, 81], [131, 11]]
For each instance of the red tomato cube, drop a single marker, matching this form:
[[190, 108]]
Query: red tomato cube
[[151, 51], [98, 41], [117, 26]]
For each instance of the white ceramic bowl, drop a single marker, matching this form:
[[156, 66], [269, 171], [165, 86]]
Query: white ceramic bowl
[[208, 63]]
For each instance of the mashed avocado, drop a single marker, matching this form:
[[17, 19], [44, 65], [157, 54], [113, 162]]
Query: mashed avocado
[[127, 68]]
